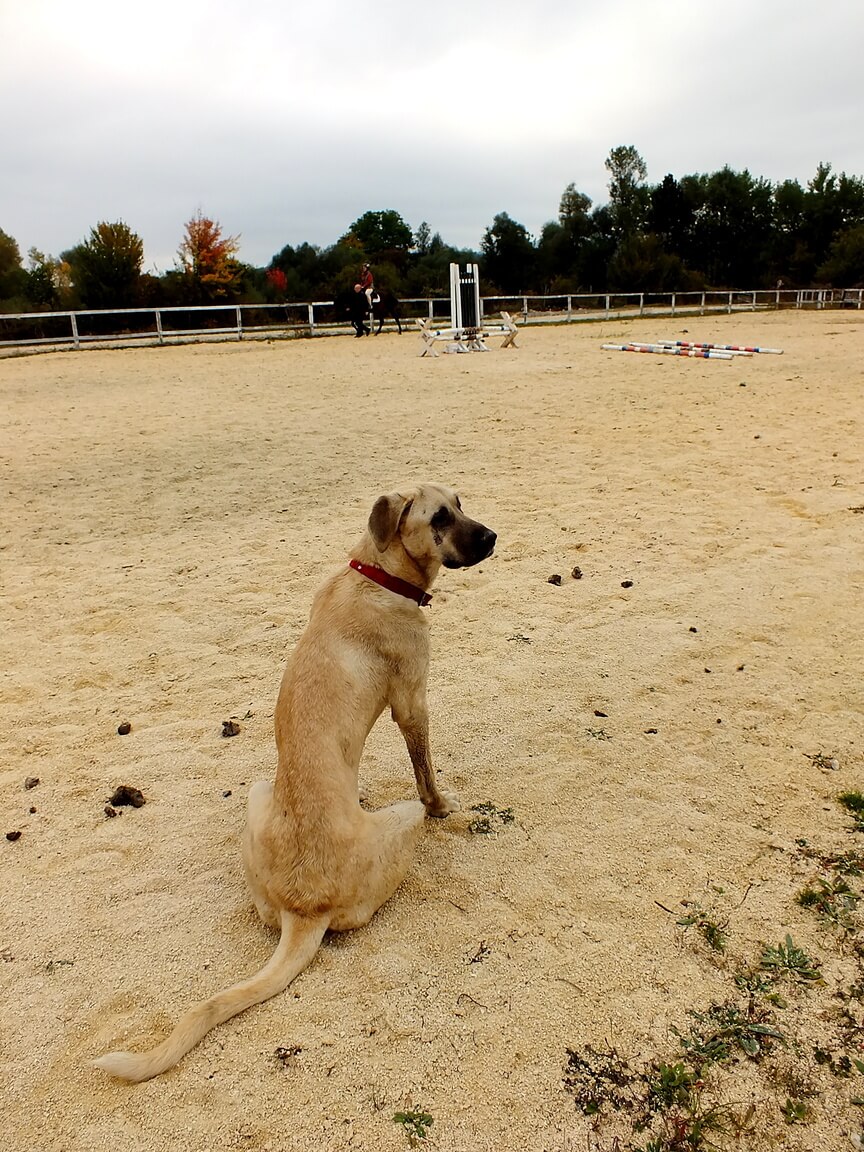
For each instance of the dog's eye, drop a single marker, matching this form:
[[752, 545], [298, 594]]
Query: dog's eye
[[442, 517]]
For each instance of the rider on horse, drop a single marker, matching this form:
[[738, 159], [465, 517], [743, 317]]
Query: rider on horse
[[367, 285]]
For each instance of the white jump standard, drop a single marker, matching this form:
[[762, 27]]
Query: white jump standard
[[467, 333]]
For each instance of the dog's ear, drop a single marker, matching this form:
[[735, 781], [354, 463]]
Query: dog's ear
[[387, 512]]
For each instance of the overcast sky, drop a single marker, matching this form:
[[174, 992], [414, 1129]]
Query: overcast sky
[[285, 121]]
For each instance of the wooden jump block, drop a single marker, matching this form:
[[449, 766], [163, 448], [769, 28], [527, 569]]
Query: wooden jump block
[[510, 339], [467, 339]]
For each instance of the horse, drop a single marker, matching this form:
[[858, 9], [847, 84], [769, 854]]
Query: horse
[[354, 305]]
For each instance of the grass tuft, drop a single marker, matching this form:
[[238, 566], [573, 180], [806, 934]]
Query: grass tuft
[[787, 959], [415, 1124]]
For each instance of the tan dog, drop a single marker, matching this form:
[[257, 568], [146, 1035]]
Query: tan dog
[[314, 859]]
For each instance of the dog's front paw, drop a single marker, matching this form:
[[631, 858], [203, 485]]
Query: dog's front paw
[[443, 804]]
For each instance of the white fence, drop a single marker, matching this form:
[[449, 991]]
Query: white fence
[[157, 325]]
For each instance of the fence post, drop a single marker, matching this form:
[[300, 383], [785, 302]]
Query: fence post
[[239, 323], [754, 300], [607, 307], [311, 308], [159, 325], [570, 306], [525, 309], [702, 306], [729, 305], [75, 340], [673, 303], [641, 303]]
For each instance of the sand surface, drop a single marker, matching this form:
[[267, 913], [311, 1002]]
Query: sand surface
[[166, 516]]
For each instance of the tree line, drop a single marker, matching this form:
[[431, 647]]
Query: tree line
[[725, 229]]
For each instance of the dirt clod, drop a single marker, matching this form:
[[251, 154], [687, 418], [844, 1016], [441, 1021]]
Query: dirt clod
[[127, 795], [30, 782], [554, 579], [124, 729], [230, 728], [13, 835]]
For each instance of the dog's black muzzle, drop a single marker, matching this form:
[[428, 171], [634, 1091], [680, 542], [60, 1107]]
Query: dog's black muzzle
[[470, 544]]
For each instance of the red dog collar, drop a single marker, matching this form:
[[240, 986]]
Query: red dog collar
[[394, 583]]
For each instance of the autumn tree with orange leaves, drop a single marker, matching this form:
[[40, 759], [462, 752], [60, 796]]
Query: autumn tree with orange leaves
[[206, 259]]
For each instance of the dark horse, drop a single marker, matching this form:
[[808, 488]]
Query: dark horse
[[354, 305]]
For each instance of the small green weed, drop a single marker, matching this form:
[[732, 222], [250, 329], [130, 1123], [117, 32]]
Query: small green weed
[[833, 900], [819, 760], [757, 982], [484, 824], [853, 802], [796, 1111], [598, 1078], [671, 1085], [787, 959], [724, 1029], [713, 931], [416, 1125], [666, 1102], [846, 863], [53, 965], [598, 733], [841, 1066], [681, 1117], [686, 1132], [483, 950]]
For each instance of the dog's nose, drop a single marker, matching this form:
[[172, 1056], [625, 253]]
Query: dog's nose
[[489, 538]]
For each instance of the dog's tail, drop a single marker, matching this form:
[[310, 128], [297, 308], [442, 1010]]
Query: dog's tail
[[300, 940]]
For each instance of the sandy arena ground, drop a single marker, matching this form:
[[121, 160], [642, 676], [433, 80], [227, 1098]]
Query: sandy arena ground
[[167, 515]]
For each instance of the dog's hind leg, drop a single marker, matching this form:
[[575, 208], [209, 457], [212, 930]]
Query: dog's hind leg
[[258, 811], [390, 836]]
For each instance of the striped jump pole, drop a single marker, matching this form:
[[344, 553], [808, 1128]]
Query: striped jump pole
[[746, 348], [667, 350], [670, 346]]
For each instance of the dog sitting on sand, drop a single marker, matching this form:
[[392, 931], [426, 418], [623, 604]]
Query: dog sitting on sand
[[314, 859]]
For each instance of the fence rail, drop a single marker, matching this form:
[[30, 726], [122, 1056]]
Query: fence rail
[[172, 325]]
